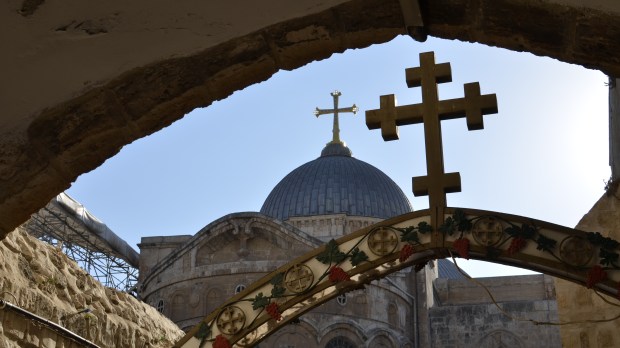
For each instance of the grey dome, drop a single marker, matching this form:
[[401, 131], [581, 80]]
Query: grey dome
[[336, 183]]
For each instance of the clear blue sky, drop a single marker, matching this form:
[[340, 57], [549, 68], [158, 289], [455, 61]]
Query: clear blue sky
[[544, 155]]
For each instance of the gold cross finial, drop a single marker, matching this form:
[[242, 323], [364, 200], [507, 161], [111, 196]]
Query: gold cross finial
[[431, 112], [336, 128]]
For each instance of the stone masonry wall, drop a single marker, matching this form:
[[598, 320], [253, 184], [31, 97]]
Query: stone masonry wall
[[577, 303], [464, 317], [41, 279]]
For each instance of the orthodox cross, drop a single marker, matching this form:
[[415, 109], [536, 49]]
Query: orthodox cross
[[431, 112], [336, 128]]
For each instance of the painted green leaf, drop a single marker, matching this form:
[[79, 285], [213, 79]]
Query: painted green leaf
[[260, 301], [277, 291], [462, 223], [597, 239], [358, 257], [424, 227], [528, 231], [448, 226], [408, 234], [525, 231], [277, 279], [544, 243], [513, 231], [331, 254], [203, 331]]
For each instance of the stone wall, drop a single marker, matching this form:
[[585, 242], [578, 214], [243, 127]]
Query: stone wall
[[577, 303], [464, 317], [326, 227], [41, 279]]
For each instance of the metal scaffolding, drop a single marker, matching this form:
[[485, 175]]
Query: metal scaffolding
[[66, 224]]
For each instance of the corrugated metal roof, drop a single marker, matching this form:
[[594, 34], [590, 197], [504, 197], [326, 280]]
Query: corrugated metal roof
[[447, 270], [336, 183]]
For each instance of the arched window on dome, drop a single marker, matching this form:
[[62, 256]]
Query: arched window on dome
[[339, 342], [239, 288]]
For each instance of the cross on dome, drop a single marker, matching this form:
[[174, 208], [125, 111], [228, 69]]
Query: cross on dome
[[336, 127]]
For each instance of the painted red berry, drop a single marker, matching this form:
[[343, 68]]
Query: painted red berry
[[274, 311], [337, 274], [461, 246], [517, 244], [406, 252], [221, 342], [596, 274]]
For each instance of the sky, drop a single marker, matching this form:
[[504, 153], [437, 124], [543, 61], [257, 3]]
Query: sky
[[543, 155]]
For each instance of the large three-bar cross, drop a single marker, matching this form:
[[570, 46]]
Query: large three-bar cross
[[336, 128], [431, 112]]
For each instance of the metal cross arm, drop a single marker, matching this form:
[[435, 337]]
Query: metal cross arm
[[473, 106], [389, 116], [335, 111], [430, 112], [450, 182]]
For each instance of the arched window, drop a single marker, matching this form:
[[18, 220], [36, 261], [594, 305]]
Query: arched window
[[393, 315], [342, 299], [239, 288], [214, 299], [160, 306], [339, 342]]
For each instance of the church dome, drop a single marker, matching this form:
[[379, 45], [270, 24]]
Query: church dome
[[336, 183]]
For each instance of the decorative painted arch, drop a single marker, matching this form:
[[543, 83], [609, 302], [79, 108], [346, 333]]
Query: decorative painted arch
[[409, 240]]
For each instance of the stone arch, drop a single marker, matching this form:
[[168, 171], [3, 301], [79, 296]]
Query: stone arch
[[352, 329], [387, 338], [54, 139], [344, 332], [393, 315], [381, 341], [297, 335], [213, 297], [545, 250], [340, 342], [178, 305], [500, 338]]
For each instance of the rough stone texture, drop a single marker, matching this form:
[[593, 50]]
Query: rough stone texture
[[463, 316], [614, 127], [577, 303], [48, 141], [41, 279]]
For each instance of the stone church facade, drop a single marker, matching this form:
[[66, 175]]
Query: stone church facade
[[186, 277]]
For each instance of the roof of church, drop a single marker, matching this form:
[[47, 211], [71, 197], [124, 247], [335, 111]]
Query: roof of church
[[446, 269], [336, 183]]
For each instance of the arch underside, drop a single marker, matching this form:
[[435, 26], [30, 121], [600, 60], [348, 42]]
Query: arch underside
[[45, 150], [409, 240]]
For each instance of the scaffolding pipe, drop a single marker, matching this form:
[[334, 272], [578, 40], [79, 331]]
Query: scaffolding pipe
[[51, 325]]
